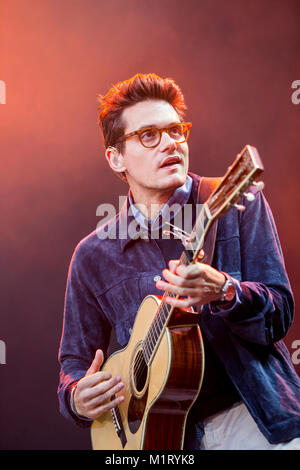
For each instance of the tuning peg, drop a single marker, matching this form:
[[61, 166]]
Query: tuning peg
[[239, 207], [249, 196], [259, 185]]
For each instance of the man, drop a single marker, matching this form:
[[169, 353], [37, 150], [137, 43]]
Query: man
[[250, 393]]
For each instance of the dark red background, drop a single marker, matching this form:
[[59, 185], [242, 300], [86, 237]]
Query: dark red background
[[235, 60]]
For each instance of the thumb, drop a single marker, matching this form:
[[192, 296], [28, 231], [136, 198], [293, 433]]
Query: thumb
[[96, 364]]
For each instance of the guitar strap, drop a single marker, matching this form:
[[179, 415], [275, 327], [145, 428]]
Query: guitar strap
[[205, 188]]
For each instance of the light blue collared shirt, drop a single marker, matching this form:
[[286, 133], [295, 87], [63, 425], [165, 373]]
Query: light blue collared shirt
[[178, 199]]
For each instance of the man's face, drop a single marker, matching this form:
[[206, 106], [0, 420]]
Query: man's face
[[160, 169]]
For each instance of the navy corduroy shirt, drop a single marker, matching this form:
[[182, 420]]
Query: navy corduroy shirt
[[109, 278]]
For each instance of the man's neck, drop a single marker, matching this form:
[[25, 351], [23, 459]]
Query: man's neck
[[150, 205]]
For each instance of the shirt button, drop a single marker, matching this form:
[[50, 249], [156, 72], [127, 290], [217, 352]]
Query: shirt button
[[156, 278], [130, 331]]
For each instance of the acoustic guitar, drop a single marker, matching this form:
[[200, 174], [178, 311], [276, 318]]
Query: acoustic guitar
[[162, 366]]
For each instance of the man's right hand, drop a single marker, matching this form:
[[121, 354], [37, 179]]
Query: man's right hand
[[92, 396]]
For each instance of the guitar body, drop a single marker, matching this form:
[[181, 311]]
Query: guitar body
[[158, 396]]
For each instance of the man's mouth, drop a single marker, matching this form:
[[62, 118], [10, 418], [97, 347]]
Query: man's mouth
[[170, 161]]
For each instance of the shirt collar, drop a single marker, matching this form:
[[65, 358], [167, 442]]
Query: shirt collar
[[129, 211]]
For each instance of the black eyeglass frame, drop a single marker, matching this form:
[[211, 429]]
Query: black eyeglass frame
[[188, 126]]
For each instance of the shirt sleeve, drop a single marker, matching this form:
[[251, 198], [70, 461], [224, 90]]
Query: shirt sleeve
[[218, 306], [85, 329], [264, 305]]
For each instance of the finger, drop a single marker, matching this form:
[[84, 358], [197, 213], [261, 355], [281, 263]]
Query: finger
[[182, 303], [182, 290], [186, 271], [192, 271], [173, 263], [104, 394], [97, 363], [105, 386], [94, 414], [88, 398], [201, 255], [176, 279], [92, 380]]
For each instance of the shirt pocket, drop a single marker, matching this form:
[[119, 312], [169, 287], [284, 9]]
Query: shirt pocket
[[120, 303], [227, 256]]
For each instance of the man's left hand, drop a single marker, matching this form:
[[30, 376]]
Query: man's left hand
[[195, 283]]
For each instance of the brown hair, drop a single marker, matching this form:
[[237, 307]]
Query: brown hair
[[129, 92]]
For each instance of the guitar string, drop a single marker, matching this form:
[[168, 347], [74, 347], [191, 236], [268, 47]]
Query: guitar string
[[158, 324], [151, 339]]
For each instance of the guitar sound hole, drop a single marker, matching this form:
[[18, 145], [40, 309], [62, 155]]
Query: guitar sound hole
[[140, 371], [139, 388]]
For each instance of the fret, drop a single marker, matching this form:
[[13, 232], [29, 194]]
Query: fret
[[159, 322], [156, 329], [146, 352]]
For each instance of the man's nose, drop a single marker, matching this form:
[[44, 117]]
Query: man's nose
[[167, 141]]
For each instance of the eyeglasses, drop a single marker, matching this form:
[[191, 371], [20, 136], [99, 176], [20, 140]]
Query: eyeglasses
[[150, 137]]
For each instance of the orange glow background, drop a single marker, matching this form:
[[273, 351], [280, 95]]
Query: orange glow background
[[235, 61]]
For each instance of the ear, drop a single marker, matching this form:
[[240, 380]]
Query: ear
[[115, 159]]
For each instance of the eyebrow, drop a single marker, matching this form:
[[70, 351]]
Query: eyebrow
[[154, 125]]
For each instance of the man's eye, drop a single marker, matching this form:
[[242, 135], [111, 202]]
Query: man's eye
[[176, 131], [149, 134]]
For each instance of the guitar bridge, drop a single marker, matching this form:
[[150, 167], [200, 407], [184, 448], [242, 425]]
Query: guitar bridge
[[118, 425]]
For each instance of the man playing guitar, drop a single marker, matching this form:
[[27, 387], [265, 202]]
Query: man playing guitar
[[250, 391]]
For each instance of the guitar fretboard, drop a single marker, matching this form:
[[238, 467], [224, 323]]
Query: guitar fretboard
[[159, 322]]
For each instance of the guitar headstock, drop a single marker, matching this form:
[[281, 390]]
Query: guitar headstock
[[243, 172]]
